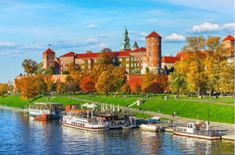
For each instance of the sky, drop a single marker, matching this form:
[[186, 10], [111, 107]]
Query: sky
[[27, 27]]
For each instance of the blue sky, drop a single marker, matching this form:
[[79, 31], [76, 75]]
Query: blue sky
[[28, 26]]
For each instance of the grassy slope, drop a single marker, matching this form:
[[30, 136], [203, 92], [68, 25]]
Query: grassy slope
[[183, 107], [58, 99], [13, 101]]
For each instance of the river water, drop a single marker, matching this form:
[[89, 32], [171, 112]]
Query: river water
[[20, 135]]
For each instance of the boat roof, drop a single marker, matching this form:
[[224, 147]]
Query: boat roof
[[47, 103]]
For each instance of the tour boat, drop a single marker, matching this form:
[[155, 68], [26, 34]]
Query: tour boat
[[45, 111], [154, 124], [84, 119], [118, 120], [199, 130]]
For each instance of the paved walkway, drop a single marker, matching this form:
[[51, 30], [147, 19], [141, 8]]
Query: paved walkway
[[230, 134]]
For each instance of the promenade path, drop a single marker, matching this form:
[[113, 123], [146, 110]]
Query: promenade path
[[230, 133]]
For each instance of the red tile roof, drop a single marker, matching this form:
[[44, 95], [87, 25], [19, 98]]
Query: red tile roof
[[170, 59], [141, 49], [69, 54], [117, 53], [87, 55], [229, 37], [49, 51], [153, 35]]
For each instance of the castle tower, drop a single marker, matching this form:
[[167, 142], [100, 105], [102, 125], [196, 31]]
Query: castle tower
[[48, 58], [125, 41], [152, 59]]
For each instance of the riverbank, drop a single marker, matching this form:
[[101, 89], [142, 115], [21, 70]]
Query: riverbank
[[230, 134], [215, 110], [13, 109]]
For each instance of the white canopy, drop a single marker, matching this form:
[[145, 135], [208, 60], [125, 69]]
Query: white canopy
[[90, 106]]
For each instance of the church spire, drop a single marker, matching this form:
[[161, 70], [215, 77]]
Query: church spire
[[135, 46], [125, 41]]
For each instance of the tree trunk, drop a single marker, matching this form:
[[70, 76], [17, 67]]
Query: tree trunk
[[198, 91]]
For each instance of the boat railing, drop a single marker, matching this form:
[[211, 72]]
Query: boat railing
[[212, 133]]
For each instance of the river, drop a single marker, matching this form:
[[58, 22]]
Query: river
[[20, 135]]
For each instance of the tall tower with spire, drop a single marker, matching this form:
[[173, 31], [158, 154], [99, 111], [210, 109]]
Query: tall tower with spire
[[125, 41]]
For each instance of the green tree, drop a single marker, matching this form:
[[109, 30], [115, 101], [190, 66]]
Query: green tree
[[30, 66], [195, 44], [177, 83], [71, 85], [226, 81]]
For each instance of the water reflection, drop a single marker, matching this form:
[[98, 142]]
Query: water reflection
[[20, 135]]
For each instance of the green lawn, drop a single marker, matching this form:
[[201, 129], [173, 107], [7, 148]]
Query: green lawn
[[13, 101], [190, 109], [58, 99], [184, 107]]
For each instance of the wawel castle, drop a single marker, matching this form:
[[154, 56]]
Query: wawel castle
[[134, 58]]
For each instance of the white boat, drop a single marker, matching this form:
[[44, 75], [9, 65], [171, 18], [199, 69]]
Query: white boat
[[153, 125], [45, 111], [200, 130], [81, 121], [149, 127]]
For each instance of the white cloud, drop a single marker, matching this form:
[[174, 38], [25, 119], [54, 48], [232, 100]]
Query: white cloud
[[205, 27], [212, 27], [6, 44], [91, 41], [102, 45], [11, 53], [143, 34], [92, 26], [174, 37], [229, 26]]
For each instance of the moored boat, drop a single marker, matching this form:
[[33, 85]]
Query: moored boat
[[84, 119], [200, 130], [154, 124], [45, 111]]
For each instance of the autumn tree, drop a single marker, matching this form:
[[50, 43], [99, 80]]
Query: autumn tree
[[49, 83], [40, 85], [195, 75], [87, 84], [194, 44], [213, 43], [60, 87], [177, 83], [226, 81], [27, 87], [111, 80], [125, 89], [137, 89], [155, 83], [107, 57], [104, 83], [4, 88], [71, 86], [30, 66]]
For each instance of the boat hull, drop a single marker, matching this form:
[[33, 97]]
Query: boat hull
[[85, 128], [196, 136]]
